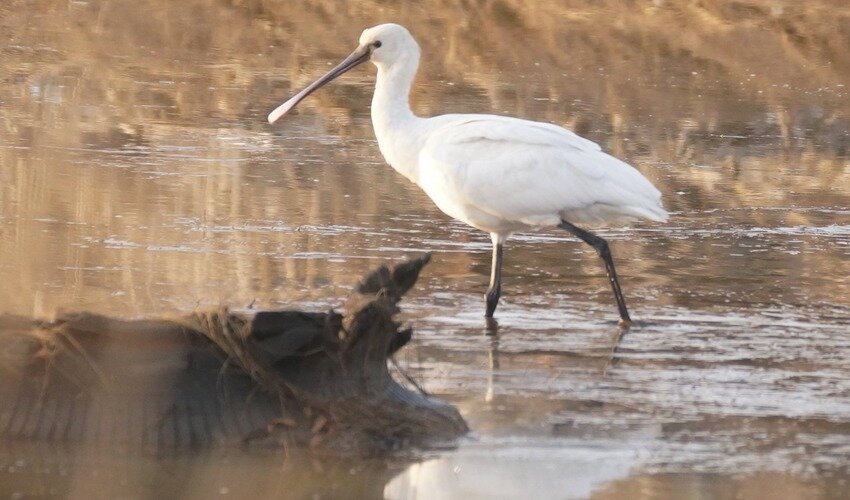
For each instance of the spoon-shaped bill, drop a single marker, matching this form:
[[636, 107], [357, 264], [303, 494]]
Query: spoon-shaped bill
[[360, 55]]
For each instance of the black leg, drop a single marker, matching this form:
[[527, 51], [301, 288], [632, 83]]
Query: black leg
[[601, 247], [495, 290]]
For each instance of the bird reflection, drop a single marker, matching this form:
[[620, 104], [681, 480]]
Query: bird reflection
[[491, 329], [613, 357]]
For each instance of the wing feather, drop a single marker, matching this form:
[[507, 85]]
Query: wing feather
[[533, 173]]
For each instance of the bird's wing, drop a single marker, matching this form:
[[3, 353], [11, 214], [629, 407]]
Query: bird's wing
[[528, 171]]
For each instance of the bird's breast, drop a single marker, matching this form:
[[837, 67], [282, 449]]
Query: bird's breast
[[400, 152], [443, 190]]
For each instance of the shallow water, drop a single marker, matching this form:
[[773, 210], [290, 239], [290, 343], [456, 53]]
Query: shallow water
[[138, 177]]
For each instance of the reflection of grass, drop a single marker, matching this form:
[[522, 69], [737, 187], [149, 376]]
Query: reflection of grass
[[160, 88], [801, 45], [647, 58]]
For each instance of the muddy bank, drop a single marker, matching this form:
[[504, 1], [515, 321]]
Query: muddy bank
[[317, 380]]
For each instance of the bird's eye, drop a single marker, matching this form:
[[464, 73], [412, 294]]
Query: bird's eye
[[376, 43]]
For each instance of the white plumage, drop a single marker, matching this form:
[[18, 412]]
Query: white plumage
[[498, 174], [519, 174]]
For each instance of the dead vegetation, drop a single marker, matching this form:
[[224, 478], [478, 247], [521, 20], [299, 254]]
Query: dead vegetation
[[317, 380]]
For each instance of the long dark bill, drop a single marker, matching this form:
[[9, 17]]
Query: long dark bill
[[358, 56]]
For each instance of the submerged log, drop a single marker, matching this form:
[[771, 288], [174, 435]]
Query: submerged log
[[318, 380]]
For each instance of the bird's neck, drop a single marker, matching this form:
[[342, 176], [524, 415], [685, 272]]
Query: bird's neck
[[396, 126]]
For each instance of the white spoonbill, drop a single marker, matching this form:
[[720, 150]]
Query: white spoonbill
[[495, 173]]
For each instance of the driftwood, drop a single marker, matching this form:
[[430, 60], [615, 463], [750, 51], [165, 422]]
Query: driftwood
[[317, 380]]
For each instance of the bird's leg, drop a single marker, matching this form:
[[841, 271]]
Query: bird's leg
[[601, 247], [495, 290]]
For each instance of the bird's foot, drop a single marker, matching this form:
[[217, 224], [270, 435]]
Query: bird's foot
[[624, 323]]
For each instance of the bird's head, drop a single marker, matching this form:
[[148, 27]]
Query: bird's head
[[385, 45], [389, 43]]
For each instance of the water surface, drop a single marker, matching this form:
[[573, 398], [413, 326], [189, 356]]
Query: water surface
[[138, 177]]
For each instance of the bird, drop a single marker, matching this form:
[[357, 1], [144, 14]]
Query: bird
[[498, 174]]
